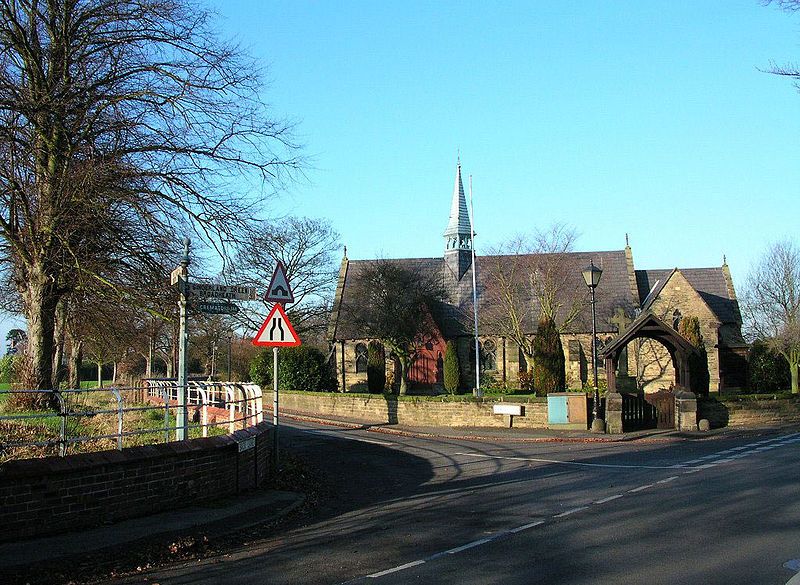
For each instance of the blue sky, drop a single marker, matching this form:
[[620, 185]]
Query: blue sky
[[650, 118], [640, 117]]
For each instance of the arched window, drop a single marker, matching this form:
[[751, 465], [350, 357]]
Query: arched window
[[488, 356], [676, 319], [361, 358]]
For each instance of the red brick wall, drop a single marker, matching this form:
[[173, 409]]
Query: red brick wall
[[57, 494]]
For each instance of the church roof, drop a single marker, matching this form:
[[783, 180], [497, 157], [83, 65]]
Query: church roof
[[459, 223], [710, 283], [455, 317]]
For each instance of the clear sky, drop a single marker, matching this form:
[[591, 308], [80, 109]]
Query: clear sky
[[650, 118]]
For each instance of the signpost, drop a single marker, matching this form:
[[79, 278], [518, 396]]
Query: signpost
[[275, 332], [222, 291], [215, 307]]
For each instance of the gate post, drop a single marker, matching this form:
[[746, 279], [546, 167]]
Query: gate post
[[685, 411], [613, 412]]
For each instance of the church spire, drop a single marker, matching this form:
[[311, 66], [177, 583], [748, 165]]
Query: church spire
[[458, 235]]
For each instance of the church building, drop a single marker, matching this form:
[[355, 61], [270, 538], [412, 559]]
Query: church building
[[622, 294]]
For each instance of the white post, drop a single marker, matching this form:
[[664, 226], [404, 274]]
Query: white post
[[478, 391], [182, 415]]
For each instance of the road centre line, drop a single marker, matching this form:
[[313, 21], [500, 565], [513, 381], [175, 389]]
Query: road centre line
[[577, 463], [526, 526], [609, 498], [570, 512], [640, 488], [668, 479], [396, 569]]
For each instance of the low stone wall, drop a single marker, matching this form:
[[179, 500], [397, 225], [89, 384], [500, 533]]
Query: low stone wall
[[377, 409], [749, 413], [56, 494]]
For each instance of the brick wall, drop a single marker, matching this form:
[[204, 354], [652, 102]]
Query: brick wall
[[56, 494], [378, 409]]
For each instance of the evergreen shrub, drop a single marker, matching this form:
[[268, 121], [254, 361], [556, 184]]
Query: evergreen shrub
[[299, 368], [548, 359], [452, 374], [689, 328], [376, 368], [768, 370]]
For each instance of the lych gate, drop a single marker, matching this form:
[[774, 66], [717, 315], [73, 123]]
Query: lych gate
[[648, 326]]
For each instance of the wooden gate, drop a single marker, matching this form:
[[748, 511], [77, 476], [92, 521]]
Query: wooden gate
[[664, 403], [648, 411]]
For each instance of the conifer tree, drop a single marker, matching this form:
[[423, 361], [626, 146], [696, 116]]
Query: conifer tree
[[548, 355], [689, 328], [451, 368], [376, 367]]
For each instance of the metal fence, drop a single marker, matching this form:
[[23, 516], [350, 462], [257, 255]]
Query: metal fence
[[94, 419]]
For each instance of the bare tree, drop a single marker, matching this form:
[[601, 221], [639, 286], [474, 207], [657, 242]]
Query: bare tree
[[792, 71], [306, 247], [110, 106], [395, 304], [772, 303], [529, 277]]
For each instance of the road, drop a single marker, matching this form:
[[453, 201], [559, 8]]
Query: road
[[419, 510]]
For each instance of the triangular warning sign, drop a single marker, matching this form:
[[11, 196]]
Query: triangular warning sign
[[279, 290], [277, 331]]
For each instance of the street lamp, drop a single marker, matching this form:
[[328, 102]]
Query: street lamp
[[591, 275]]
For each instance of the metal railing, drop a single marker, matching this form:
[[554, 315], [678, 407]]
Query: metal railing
[[119, 416]]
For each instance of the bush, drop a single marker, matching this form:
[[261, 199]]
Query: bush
[[526, 381], [548, 359], [299, 368], [452, 371], [376, 367], [689, 327], [768, 371], [7, 368]]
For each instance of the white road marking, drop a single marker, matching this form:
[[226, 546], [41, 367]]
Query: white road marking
[[395, 569], [609, 498], [640, 488], [472, 544], [526, 526], [569, 512], [342, 436], [577, 463], [667, 480]]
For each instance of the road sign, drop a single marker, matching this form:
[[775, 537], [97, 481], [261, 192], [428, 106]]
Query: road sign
[[279, 290], [277, 331], [176, 274], [221, 291], [216, 307]]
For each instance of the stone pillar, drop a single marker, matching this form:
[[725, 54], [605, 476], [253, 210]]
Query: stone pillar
[[685, 411], [613, 413]]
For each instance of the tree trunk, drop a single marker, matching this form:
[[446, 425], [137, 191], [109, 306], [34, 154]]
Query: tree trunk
[[114, 375], [403, 376], [793, 365], [99, 374], [75, 359], [40, 299], [59, 335]]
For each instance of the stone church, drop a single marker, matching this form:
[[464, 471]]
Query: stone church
[[622, 294]]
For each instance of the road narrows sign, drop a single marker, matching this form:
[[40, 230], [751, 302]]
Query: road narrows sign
[[279, 290], [277, 331]]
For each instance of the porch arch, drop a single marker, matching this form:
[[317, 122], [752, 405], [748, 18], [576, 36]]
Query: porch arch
[[648, 326]]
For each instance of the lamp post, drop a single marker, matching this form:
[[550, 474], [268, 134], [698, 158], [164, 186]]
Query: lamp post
[[591, 275]]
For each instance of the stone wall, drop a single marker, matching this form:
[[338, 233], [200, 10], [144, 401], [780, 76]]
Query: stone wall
[[378, 409], [57, 494], [750, 413]]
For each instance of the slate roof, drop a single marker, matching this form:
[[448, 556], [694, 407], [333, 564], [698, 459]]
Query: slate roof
[[710, 283], [455, 318], [458, 223]]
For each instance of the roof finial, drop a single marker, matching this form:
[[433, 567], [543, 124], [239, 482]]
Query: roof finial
[[458, 156], [724, 260], [345, 251], [627, 243]]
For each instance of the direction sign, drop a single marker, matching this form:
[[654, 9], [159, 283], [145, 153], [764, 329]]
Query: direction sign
[[221, 291], [216, 307], [279, 290], [277, 331]]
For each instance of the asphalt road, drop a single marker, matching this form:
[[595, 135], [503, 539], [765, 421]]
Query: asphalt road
[[413, 510]]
